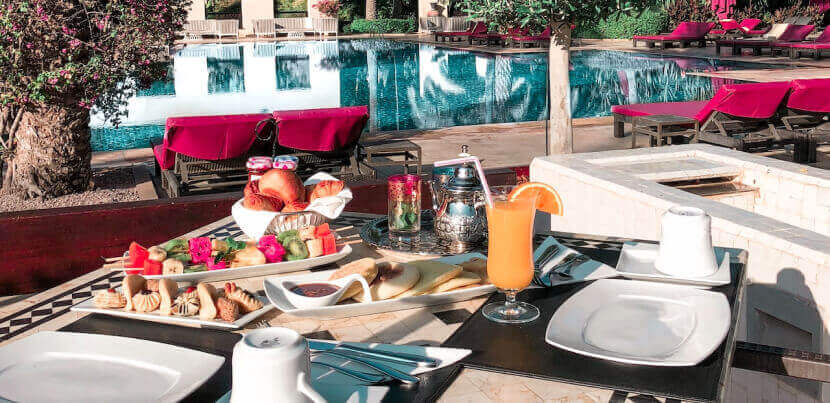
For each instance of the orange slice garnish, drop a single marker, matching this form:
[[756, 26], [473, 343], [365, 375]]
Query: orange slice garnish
[[547, 199]]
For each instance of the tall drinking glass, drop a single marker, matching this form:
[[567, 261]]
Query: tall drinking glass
[[510, 256], [404, 207]]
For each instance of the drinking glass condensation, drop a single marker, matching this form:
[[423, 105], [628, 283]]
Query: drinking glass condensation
[[404, 200], [510, 254]]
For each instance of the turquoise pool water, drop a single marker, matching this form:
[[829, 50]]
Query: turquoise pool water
[[406, 85]]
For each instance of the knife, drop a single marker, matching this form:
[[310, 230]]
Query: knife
[[396, 358]]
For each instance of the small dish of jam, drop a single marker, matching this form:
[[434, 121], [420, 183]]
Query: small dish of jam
[[315, 289]]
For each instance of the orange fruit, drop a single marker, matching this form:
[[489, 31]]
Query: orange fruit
[[547, 199]]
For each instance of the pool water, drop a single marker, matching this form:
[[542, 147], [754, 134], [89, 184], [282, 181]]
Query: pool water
[[405, 85]]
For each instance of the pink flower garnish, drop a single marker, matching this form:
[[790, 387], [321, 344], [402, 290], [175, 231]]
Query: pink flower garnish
[[271, 248]]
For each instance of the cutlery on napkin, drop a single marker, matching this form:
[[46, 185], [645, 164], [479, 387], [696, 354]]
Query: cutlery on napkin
[[578, 272]]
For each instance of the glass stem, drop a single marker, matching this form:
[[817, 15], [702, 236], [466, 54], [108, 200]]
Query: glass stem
[[510, 299]]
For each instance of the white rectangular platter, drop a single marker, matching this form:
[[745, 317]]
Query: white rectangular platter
[[276, 296], [80, 367], [155, 316], [256, 271]]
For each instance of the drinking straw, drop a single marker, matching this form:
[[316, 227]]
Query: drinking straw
[[457, 161]]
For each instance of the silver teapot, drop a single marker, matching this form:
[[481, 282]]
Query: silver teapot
[[460, 214]]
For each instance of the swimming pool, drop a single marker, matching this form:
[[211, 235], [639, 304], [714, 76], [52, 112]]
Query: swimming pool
[[406, 85]]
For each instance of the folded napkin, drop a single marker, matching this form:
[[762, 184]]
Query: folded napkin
[[336, 387], [254, 223], [590, 270]]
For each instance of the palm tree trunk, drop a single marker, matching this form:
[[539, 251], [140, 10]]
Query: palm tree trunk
[[53, 153], [560, 131], [371, 9]]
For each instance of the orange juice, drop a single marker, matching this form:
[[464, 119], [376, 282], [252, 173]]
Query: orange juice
[[510, 256]]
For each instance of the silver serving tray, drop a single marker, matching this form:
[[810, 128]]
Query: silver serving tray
[[376, 233]]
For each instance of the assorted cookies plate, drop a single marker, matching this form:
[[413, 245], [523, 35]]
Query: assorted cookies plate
[[162, 300], [394, 286]]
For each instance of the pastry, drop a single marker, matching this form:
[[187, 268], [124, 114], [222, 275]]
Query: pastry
[[152, 285], [156, 253], [250, 256], [392, 280], [172, 266], [478, 266], [366, 267], [187, 303], [207, 301], [247, 301], [146, 301], [228, 310], [109, 299], [462, 280], [325, 189], [315, 247], [130, 286], [168, 291], [433, 273]]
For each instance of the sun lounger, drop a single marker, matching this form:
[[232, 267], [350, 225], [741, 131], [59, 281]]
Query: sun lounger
[[738, 116], [813, 48], [792, 33], [323, 139], [806, 117], [497, 38], [729, 25], [518, 40], [475, 28], [209, 152], [685, 34]]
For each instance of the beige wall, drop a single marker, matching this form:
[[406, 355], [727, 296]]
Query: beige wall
[[312, 12], [255, 10], [197, 10]]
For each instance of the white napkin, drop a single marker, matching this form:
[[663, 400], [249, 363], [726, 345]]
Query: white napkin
[[254, 223], [590, 270], [336, 387]]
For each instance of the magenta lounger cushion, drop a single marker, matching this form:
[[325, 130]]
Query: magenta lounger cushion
[[810, 95], [321, 130], [685, 30], [527, 38], [756, 100], [822, 42], [477, 28], [208, 137]]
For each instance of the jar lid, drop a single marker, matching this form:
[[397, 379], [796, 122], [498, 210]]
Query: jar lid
[[258, 163]]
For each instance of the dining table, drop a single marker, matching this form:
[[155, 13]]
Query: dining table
[[453, 325]]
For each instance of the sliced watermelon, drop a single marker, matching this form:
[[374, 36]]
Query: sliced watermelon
[[138, 254], [329, 244], [152, 268], [322, 230]]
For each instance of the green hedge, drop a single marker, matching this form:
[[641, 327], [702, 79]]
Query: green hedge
[[381, 26], [625, 26]]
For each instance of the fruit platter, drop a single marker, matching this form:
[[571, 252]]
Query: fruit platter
[[393, 286], [214, 259], [162, 300]]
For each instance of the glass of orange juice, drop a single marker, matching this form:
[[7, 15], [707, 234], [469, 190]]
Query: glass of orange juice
[[510, 253]]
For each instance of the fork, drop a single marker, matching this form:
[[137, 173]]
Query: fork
[[574, 261], [543, 259]]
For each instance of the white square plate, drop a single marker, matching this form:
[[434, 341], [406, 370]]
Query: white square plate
[[277, 296], [80, 367], [89, 306], [637, 262], [639, 322]]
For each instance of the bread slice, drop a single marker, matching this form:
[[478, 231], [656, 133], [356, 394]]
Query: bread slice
[[464, 279], [392, 279], [433, 273], [366, 267]]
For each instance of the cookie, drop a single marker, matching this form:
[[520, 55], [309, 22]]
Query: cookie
[[366, 267], [130, 286], [168, 291], [464, 279], [228, 310], [146, 301], [186, 304], [247, 301], [109, 299], [433, 273], [392, 280]]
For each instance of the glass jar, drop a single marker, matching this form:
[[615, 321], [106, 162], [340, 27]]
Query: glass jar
[[287, 162], [404, 204], [257, 166]]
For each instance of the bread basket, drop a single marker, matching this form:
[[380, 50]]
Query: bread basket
[[297, 220]]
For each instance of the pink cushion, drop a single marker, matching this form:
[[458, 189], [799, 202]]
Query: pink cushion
[[211, 137], [796, 33], [668, 37], [748, 24], [692, 29], [717, 31], [544, 35], [810, 95], [165, 158], [756, 100], [686, 109], [321, 130], [756, 31], [810, 45], [729, 24]]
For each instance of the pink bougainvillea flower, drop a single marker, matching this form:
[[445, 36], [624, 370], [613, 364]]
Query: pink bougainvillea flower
[[271, 248]]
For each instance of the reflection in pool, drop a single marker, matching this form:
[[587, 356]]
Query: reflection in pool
[[406, 85]]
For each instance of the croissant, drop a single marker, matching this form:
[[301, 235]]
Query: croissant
[[325, 189]]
